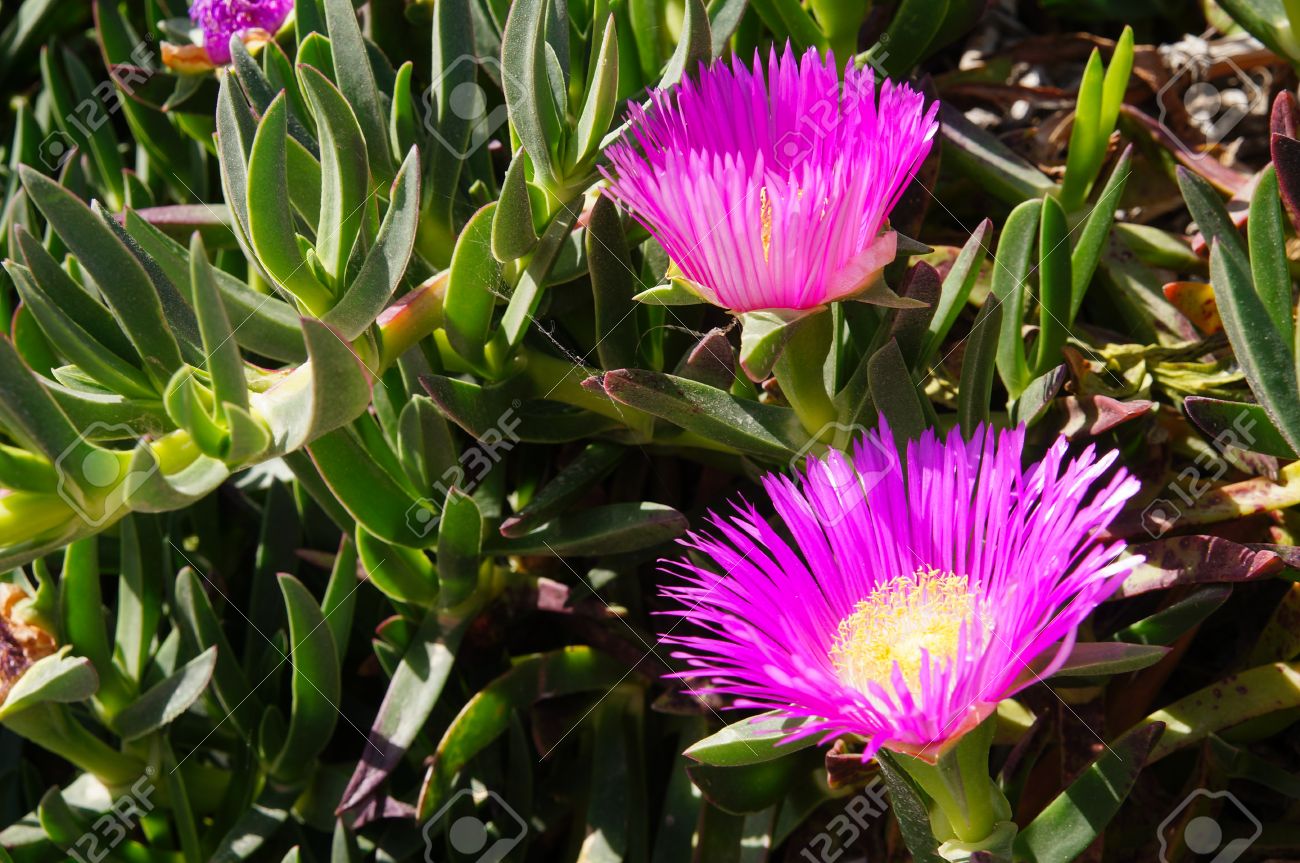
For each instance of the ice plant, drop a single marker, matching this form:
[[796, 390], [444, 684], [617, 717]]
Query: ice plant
[[769, 188], [899, 600], [218, 20]]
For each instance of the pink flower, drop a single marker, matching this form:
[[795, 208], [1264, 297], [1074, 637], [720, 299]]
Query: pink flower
[[221, 19], [771, 191], [902, 602]]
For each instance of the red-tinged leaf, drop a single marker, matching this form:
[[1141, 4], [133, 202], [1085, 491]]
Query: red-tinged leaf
[[1091, 415], [1184, 560], [1196, 301], [1286, 161], [1223, 177]]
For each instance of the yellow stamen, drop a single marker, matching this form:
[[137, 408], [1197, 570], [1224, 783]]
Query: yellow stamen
[[908, 614], [765, 216]]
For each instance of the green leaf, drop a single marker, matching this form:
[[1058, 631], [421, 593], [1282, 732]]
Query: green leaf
[[266, 325], [72, 298], [1099, 658], [910, 809], [894, 393], [1241, 424], [400, 573], [992, 164], [356, 79], [713, 414], [523, 78], [790, 16], [76, 344], [31, 416], [345, 179], [1054, 288], [488, 712], [369, 493], [755, 788], [910, 33], [1268, 260], [327, 392], [609, 529], [1087, 146], [513, 234], [955, 292], [977, 367], [224, 364], [417, 682], [164, 703], [602, 96], [673, 293], [1096, 231], [57, 678], [125, 284], [385, 264], [270, 222], [200, 628], [76, 101], [751, 741], [1009, 276], [472, 286], [1264, 356], [460, 547], [1169, 624], [527, 294], [613, 283], [1210, 215], [1259, 691], [694, 46], [1071, 822], [316, 682], [574, 480]]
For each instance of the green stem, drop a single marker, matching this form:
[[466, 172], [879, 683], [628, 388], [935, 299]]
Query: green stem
[[801, 371], [51, 727], [970, 813]]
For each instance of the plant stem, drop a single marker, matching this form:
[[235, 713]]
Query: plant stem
[[801, 371]]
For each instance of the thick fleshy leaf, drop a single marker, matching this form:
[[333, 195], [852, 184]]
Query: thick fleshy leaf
[[1070, 823], [164, 703], [488, 712], [316, 682], [609, 529], [750, 741], [711, 413]]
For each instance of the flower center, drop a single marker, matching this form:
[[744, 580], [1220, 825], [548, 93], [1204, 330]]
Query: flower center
[[902, 617]]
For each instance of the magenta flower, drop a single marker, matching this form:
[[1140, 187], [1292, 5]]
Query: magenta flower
[[221, 19], [902, 603], [770, 192]]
